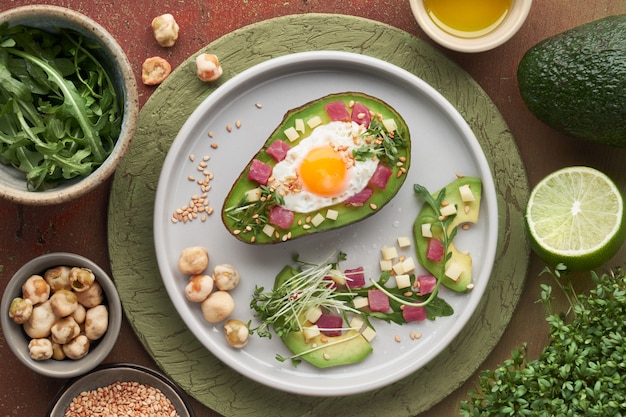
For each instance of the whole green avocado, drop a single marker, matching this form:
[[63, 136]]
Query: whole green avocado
[[575, 81]]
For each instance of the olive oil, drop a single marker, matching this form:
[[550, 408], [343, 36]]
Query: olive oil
[[467, 18]]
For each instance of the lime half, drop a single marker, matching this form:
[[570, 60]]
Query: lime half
[[576, 216]]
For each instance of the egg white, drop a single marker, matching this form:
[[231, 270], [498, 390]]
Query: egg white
[[338, 134]]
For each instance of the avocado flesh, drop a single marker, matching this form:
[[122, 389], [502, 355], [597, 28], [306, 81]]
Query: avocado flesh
[[347, 215], [575, 81], [350, 347], [428, 215]]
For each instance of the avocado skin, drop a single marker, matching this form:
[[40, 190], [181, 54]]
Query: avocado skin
[[575, 81]]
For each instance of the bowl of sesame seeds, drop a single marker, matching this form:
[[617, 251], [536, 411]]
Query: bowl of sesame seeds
[[121, 390]]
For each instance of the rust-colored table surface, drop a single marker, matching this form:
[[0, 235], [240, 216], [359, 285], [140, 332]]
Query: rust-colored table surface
[[81, 226]]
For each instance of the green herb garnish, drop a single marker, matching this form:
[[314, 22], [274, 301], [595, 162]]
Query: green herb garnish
[[59, 112], [582, 370], [252, 216], [308, 286], [381, 143]]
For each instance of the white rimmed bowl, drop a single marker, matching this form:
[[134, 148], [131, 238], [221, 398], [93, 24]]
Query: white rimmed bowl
[[510, 25], [18, 340], [13, 182]]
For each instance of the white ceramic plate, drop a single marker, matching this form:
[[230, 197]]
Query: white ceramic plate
[[442, 146]]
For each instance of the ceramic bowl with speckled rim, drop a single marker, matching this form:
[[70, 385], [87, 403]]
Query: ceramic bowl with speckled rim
[[13, 182], [17, 339], [492, 37]]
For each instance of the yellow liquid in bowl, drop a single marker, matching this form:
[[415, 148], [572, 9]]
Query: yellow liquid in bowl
[[467, 18]]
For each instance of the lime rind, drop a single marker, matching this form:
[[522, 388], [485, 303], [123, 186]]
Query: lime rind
[[576, 216]]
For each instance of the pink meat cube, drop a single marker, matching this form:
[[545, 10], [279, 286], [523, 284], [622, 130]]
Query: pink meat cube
[[330, 282], [337, 111], [355, 278], [359, 198], [381, 176], [281, 217], [378, 300], [434, 252], [413, 313], [259, 172], [330, 325], [278, 150], [426, 283], [361, 114]]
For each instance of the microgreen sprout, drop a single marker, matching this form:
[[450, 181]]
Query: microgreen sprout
[[313, 285], [251, 216], [580, 372], [384, 144]]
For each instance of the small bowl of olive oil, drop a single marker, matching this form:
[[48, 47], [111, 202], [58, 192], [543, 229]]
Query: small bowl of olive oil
[[470, 25]]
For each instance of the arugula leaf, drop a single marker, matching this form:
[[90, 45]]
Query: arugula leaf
[[59, 112]]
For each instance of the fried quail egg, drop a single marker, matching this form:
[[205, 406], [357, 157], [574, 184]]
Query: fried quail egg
[[321, 171]]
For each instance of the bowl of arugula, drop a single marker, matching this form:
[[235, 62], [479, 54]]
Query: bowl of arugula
[[69, 104]]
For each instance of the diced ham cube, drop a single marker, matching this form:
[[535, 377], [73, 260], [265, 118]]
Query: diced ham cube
[[337, 111], [330, 325], [378, 300], [359, 198], [355, 278], [361, 114], [281, 217], [259, 172], [278, 150], [426, 283], [413, 313], [381, 176], [434, 252]]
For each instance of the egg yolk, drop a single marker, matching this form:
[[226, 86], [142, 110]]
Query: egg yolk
[[323, 172]]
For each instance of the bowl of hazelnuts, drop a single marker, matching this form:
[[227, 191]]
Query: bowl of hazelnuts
[[61, 314]]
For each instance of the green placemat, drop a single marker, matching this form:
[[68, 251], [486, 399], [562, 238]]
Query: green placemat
[[133, 261]]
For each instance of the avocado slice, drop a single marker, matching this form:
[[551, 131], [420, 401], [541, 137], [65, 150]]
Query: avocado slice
[[323, 351], [466, 212], [250, 205], [326, 351], [575, 81]]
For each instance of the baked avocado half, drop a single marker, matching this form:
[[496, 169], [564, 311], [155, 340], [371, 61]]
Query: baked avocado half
[[329, 163], [575, 81]]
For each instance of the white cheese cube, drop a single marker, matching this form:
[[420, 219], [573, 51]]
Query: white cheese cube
[[404, 241], [311, 332], [390, 125], [253, 195], [448, 210], [291, 134], [426, 230], [356, 323], [386, 265], [403, 281], [398, 268], [337, 276], [268, 230], [466, 193], [300, 125], [408, 265], [453, 271], [360, 302], [389, 253], [313, 314], [317, 220], [369, 334], [314, 121], [332, 214]]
